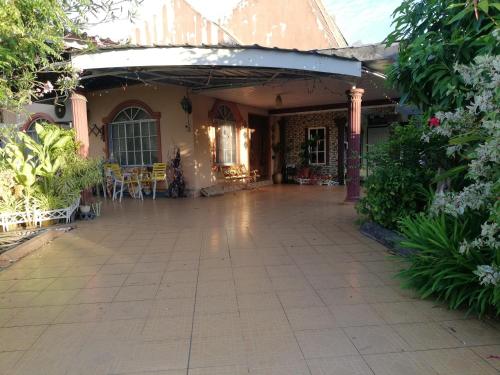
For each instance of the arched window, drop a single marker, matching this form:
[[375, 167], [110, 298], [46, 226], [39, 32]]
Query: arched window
[[37, 118], [225, 126], [133, 137]]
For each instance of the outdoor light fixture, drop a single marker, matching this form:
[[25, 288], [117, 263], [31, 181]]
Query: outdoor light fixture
[[279, 101]]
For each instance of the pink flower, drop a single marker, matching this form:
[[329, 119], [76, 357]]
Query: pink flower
[[434, 122], [47, 87]]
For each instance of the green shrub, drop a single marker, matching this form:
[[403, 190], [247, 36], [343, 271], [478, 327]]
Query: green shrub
[[440, 269], [400, 174]]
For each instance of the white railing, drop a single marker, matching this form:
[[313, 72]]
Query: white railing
[[36, 217]]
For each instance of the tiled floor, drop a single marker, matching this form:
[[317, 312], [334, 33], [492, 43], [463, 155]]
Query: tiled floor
[[276, 281]]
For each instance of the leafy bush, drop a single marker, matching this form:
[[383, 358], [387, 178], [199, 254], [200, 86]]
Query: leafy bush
[[459, 239], [400, 174], [439, 269], [434, 36], [43, 175]]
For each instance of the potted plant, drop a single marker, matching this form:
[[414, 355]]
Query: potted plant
[[305, 157]]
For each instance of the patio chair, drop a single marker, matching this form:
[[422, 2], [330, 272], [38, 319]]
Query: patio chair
[[120, 180], [158, 174]]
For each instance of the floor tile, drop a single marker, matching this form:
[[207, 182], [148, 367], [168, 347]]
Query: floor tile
[[423, 336], [348, 365], [19, 338], [376, 339], [355, 315], [311, 318], [325, 343], [398, 364], [455, 362]]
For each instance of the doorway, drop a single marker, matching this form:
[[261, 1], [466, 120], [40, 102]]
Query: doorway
[[260, 144]]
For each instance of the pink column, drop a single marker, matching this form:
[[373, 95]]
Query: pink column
[[80, 123], [353, 153]]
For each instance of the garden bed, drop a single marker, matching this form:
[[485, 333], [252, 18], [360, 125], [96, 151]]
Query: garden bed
[[37, 217]]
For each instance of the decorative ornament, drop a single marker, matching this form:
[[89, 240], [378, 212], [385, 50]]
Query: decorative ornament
[[95, 130], [187, 107]]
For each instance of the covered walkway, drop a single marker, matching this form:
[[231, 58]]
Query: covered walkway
[[272, 281]]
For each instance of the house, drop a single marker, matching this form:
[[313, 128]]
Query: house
[[225, 93]]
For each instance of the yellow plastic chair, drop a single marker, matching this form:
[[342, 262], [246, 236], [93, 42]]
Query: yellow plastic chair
[[158, 174], [119, 180]]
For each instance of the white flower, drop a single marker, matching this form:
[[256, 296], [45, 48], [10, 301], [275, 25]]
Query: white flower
[[488, 275]]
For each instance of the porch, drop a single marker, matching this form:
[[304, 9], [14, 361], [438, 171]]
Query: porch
[[272, 281], [229, 106]]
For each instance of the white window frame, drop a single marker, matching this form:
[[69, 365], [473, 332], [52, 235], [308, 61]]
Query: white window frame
[[226, 149], [150, 123], [317, 152]]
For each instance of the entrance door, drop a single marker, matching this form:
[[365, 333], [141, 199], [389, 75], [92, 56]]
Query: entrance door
[[259, 144]]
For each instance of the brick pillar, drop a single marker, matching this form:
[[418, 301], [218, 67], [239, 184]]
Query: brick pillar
[[80, 123], [353, 153]]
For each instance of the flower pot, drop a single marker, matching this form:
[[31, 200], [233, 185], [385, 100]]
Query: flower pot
[[84, 209], [278, 178]]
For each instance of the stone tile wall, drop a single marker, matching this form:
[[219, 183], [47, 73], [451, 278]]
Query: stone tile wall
[[295, 134]]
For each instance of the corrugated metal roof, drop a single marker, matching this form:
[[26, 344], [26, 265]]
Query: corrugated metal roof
[[111, 47]]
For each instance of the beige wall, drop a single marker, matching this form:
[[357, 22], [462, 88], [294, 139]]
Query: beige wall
[[300, 24], [194, 144]]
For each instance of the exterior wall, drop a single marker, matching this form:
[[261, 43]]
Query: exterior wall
[[176, 22], [296, 132], [33, 109], [164, 99], [194, 143], [300, 24], [202, 105]]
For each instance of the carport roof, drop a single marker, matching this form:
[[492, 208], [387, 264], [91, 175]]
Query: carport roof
[[207, 67]]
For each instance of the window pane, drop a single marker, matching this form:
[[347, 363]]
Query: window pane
[[154, 157], [129, 128], [321, 133], [321, 157], [130, 144], [154, 143], [152, 128], [314, 158], [146, 158], [137, 143], [138, 157], [144, 129], [145, 143], [122, 158], [137, 129], [121, 132], [131, 158], [321, 145]]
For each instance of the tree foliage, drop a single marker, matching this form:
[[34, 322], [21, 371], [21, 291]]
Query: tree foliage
[[434, 36], [32, 44]]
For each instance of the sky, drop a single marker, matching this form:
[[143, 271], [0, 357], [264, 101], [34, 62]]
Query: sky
[[361, 21]]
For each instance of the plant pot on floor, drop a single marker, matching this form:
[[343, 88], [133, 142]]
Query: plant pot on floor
[[278, 178], [85, 209]]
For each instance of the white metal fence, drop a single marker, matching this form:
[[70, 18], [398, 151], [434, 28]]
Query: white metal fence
[[36, 217]]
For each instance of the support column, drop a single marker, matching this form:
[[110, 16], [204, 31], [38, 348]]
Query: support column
[[353, 153], [80, 123]]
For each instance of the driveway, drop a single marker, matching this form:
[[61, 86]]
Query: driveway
[[274, 281]]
